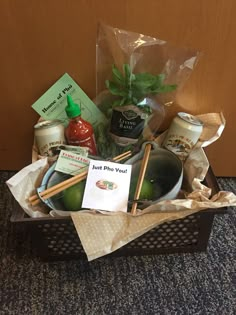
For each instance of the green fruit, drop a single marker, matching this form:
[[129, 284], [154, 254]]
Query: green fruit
[[147, 190], [73, 196]]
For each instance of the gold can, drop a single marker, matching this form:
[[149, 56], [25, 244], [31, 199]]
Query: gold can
[[183, 134]]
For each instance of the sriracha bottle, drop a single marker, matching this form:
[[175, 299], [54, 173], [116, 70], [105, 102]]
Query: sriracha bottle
[[79, 132]]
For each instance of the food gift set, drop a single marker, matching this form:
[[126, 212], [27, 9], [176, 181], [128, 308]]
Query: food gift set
[[110, 167]]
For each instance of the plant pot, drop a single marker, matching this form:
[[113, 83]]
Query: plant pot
[[127, 124]]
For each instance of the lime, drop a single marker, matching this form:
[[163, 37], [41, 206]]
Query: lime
[[147, 190], [73, 196]]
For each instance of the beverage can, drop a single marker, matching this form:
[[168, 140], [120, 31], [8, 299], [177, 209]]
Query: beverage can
[[183, 134], [49, 135]]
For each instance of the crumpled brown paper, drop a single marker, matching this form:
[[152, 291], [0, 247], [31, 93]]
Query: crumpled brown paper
[[104, 232]]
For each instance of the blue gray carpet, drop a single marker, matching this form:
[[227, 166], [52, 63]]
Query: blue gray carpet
[[199, 283]]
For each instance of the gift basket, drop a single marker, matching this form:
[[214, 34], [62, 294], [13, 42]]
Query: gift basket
[[105, 177]]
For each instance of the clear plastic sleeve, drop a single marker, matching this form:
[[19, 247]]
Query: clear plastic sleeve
[[139, 59]]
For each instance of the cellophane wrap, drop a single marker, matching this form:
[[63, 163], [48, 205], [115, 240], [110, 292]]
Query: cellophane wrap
[[103, 232], [144, 54]]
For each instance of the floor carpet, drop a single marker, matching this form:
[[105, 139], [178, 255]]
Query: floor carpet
[[200, 283]]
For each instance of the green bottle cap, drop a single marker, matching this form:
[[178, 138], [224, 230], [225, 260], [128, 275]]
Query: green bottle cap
[[72, 109]]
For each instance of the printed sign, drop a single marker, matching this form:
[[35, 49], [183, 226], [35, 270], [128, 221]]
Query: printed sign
[[51, 105], [71, 163], [107, 186]]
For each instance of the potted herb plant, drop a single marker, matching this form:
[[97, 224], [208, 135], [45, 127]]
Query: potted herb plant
[[130, 108]]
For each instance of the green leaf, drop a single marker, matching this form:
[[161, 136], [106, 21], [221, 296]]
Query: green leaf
[[128, 75], [143, 81], [132, 77], [145, 78], [117, 75], [132, 88], [140, 93], [116, 103], [134, 100], [114, 88], [165, 89], [127, 71], [120, 102], [124, 101], [107, 83], [160, 79], [145, 108]]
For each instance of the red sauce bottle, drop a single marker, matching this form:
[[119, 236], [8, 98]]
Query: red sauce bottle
[[79, 132]]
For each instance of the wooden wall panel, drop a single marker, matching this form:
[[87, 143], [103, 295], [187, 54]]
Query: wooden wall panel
[[42, 40]]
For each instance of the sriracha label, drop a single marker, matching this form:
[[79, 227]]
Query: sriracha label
[[80, 133]]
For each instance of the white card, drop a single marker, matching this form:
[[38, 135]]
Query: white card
[[107, 186], [71, 163]]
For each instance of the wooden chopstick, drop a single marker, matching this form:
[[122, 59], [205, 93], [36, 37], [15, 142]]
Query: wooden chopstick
[[122, 156], [47, 193], [142, 172], [65, 182]]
